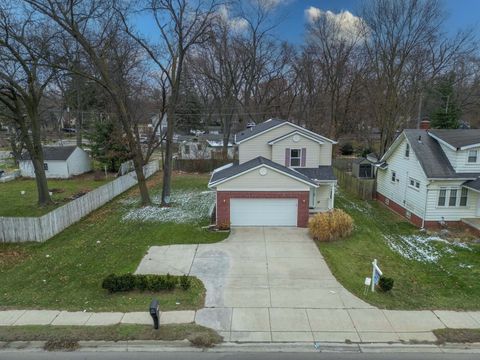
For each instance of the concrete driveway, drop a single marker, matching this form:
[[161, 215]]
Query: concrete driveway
[[272, 284]]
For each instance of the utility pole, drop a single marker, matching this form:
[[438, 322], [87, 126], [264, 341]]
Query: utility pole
[[419, 117]]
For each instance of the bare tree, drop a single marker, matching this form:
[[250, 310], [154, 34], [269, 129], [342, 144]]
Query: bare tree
[[96, 28], [24, 76], [181, 25]]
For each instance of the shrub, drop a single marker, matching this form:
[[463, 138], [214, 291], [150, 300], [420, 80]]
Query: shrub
[[346, 149], [385, 283], [185, 282], [331, 225], [127, 282]]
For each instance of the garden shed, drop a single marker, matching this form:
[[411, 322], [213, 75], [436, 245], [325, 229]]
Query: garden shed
[[363, 169]]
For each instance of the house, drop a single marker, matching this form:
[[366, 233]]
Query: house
[[362, 168], [59, 162], [431, 176], [203, 146], [284, 173]]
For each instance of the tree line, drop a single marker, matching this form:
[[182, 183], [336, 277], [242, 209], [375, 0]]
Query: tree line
[[219, 62]]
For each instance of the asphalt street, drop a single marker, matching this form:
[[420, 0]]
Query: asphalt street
[[230, 356]]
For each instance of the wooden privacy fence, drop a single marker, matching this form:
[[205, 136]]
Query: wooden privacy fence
[[21, 229], [363, 188], [199, 165]]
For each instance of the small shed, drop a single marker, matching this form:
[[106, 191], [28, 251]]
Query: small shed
[[59, 162], [363, 169]]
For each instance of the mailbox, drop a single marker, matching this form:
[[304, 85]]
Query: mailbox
[[155, 313]]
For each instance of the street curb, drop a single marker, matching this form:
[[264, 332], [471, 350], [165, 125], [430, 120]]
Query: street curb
[[229, 347]]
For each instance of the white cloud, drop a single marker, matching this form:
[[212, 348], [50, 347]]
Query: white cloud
[[237, 24], [348, 25]]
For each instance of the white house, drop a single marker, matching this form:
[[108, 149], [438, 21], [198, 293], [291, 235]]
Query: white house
[[431, 176], [203, 146], [283, 174], [59, 162]]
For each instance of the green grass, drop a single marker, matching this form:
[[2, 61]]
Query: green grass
[[123, 332], [418, 285], [66, 271], [16, 204]]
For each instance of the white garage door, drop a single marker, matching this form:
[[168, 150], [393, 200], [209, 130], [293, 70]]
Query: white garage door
[[263, 212]]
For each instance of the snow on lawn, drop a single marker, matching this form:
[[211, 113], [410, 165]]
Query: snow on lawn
[[186, 206], [427, 249]]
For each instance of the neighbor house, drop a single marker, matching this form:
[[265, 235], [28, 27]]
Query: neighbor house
[[59, 162], [431, 176], [284, 173], [203, 146]]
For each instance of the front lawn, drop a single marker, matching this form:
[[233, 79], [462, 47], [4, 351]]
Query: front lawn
[[13, 203], [66, 271], [430, 271]]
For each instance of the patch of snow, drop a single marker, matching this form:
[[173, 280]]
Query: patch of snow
[[186, 206], [421, 248], [465, 266]]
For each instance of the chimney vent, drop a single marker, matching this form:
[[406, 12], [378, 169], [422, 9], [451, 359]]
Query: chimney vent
[[425, 124]]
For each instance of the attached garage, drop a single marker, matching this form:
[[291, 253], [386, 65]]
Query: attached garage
[[261, 193], [263, 212]]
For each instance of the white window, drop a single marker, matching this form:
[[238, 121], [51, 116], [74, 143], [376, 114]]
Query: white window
[[187, 149], [414, 183], [452, 201], [442, 197], [295, 157], [407, 150], [472, 156], [394, 176], [464, 197]]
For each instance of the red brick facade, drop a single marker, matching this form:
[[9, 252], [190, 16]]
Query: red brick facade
[[223, 203], [416, 220]]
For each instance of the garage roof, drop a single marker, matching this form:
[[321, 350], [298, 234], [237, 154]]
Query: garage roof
[[53, 153], [229, 172]]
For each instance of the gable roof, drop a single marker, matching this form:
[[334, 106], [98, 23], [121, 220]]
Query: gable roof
[[321, 173], [271, 124], [229, 172], [473, 184], [314, 137], [53, 153], [458, 139], [430, 155]]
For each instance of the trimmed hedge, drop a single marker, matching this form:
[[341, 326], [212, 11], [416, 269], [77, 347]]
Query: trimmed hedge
[[128, 282]]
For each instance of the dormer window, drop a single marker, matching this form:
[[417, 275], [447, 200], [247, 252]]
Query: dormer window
[[407, 150], [472, 156], [295, 157]]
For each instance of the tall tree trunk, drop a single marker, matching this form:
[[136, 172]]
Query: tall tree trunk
[[167, 165], [142, 182], [78, 128], [41, 180]]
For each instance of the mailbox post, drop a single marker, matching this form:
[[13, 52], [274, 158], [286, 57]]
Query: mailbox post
[[154, 313]]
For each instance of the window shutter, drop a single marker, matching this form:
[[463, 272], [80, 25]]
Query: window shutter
[[304, 157], [287, 157]]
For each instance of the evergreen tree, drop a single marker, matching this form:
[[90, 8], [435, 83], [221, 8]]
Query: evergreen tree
[[447, 114]]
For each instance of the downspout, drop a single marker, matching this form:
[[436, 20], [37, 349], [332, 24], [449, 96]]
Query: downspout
[[425, 209]]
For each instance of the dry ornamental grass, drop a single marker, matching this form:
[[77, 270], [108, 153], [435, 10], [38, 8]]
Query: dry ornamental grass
[[330, 226]]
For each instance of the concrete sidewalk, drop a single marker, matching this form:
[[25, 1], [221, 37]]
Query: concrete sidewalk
[[52, 317]]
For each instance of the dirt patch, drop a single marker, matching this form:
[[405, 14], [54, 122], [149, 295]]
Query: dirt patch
[[61, 345], [457, 335], [12, 257]]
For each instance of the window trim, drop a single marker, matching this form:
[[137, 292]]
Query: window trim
[[445, 197], [463, 195], [469, 156], [393, 176], [299, 158], [415, 183], [450, 198], [407, 151]]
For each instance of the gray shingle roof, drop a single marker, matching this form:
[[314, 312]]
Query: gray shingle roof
[[238, 169], [431, 156], [245, 134], [458, 137], [53, 153], [321, 173], [473, 184]]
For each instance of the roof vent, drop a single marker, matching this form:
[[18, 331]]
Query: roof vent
[[420, 139]]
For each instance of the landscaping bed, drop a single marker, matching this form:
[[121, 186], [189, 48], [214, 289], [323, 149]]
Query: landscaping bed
[[67, 337], [430, 270], [66, 272], [14, 204]]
